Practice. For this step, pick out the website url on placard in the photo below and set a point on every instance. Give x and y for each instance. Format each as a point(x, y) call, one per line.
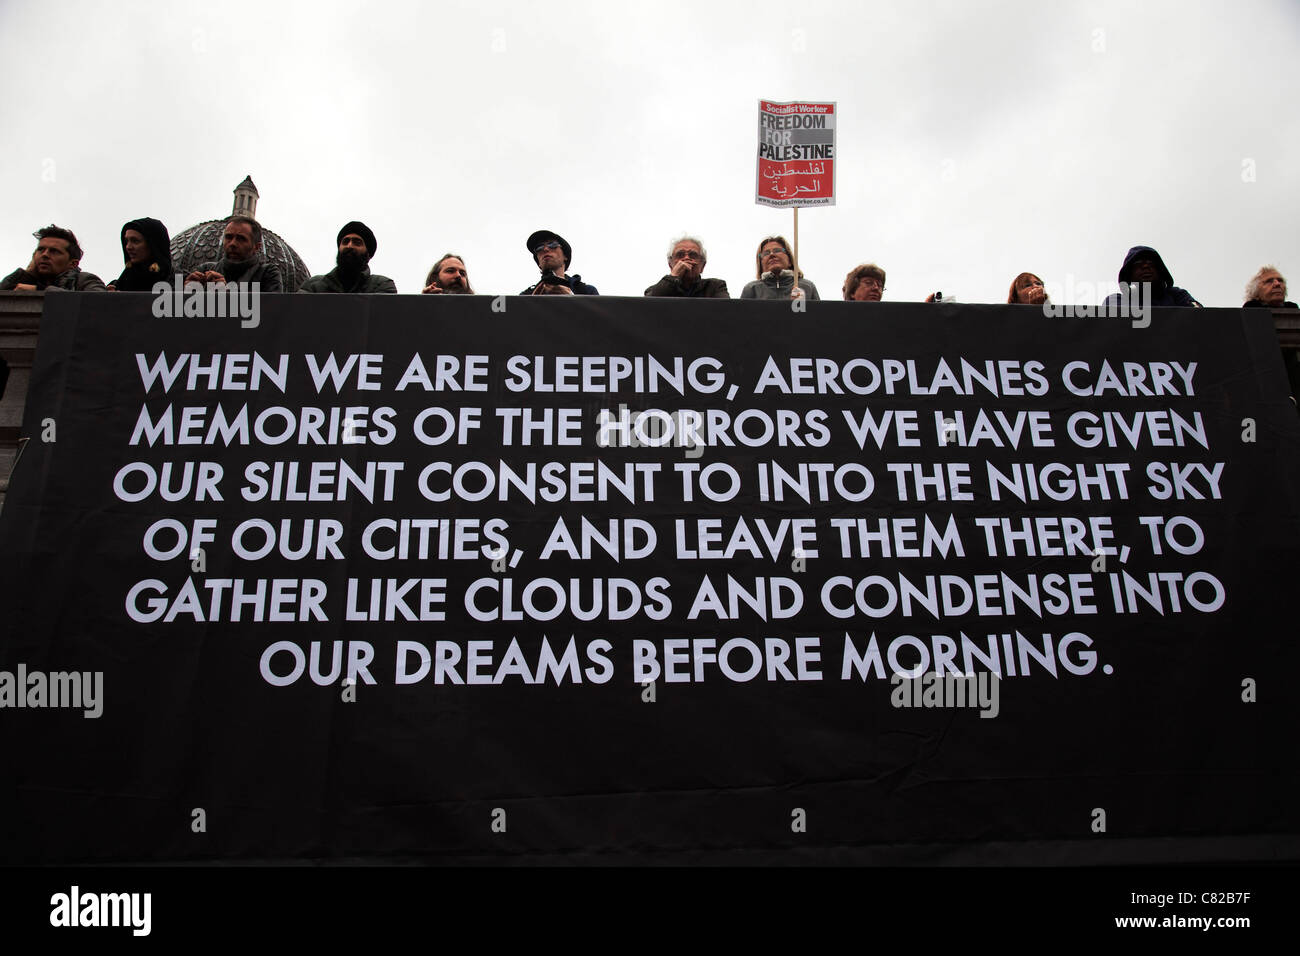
point(1203, 923)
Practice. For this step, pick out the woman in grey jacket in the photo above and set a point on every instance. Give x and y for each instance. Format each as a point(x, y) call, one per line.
point(775, 274)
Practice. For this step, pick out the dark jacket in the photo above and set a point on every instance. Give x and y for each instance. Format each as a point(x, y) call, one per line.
point(1163, 290)
point(73, 280)
point(257, 269)
point(670, 285)
point(142, 278)
point(1290, 357)
point(573, 282)
point(778, 287)
point(332, 281)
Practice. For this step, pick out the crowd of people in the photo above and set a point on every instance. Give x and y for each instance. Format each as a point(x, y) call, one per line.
point(146, 256)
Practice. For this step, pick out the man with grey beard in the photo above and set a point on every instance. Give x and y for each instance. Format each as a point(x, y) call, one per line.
point(242, 260)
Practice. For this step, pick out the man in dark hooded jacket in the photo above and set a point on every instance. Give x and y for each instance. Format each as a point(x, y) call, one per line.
point(351, 273)
point(242, 260)
point(1144, 265)
point(146, 250)
point(55, 265)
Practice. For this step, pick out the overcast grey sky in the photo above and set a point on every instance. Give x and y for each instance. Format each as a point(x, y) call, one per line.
point(976, 139)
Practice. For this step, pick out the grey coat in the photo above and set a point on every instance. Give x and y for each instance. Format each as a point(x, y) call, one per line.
point(261, 271)
point(333, 282)
point(772, 287)
point(73, 280)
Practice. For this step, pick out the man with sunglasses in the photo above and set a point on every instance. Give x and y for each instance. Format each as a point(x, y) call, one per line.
point(686, 261)
point(553, 255)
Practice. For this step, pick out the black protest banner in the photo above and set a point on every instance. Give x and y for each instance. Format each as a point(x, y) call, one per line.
point(502, 579)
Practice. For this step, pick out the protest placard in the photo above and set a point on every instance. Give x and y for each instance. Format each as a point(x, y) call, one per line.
point(796, 154)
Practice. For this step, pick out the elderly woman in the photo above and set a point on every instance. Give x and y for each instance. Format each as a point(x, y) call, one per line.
point(146, 249)
point(775, 274)
point(1027, 289)
point(865, 283)
point(1267, 289)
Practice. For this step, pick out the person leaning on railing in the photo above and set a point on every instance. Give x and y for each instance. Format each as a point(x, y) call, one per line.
point(686, 262)
point(1144, 268)
point(776, 274)
point(351, 273)
point(55, 265)
point(1027, 289)
point(866, 283)
point(552, 254)
point(146, 251)
point(1267, 289)
point(448, 277)
point(241, 259)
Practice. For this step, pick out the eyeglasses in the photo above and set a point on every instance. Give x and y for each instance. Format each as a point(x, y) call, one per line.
point(544, 246)
point(769, 253)
point(687, 254)
point(871, 283)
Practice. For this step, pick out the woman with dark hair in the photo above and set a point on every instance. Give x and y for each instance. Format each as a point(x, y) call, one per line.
point(146, 249)
point(775, 274)
point(1027, 289)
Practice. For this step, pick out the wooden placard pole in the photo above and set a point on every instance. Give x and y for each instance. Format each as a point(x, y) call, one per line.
point(795, 257)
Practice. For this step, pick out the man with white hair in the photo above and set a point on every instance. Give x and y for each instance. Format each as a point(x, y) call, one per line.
point(1267, 290)
point(686, 261)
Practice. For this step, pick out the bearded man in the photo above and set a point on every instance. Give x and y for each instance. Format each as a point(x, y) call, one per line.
point(351, 272)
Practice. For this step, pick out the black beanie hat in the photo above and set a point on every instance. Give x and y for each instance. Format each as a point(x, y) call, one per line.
point(355, 228)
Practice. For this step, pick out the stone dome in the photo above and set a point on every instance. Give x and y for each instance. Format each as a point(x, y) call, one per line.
point(202, 243)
